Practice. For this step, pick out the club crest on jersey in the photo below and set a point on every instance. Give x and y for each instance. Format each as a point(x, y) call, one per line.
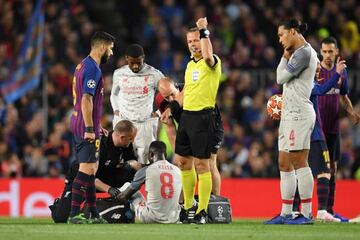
point(293, 61)
point(195, 75)
point(91, 83)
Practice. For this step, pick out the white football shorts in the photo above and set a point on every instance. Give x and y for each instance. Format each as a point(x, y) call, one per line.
point(295, 134)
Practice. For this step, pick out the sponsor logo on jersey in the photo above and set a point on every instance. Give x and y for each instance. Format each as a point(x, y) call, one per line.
point(333, 91)
point(132, 90)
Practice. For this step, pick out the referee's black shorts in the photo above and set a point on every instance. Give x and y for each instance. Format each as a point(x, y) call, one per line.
point(196, 133)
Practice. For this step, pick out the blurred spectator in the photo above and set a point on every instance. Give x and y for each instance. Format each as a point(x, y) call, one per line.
point(11, 166)
point(36, 165)
point(350, 39)
point(57, 151)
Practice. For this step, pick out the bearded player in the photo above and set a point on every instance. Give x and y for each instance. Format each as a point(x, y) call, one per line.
point(296, 72)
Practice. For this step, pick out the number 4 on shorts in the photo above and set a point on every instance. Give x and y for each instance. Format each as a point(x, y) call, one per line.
point(292, 137)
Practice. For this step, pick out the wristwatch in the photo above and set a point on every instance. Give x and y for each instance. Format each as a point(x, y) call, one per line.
point(204, 33)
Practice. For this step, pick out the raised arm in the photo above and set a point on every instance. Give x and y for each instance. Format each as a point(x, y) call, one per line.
point(321, 89)
point(206, 46)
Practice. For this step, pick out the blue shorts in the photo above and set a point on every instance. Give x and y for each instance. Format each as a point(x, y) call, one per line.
point(86, 152)
point(319, 159)
point(333, 143)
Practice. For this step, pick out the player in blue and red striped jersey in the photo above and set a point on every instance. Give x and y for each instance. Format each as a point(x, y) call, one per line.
point(85, 125)
point(329, 109)
point(319, 159)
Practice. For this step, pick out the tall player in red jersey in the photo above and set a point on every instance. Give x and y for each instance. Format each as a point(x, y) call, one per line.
point(329, 110)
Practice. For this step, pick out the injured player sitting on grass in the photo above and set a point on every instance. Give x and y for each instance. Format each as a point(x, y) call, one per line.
point(162, 184)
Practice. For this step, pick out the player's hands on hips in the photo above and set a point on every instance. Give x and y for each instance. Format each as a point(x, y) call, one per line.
point(340, 65)
point(90, 137)
point(113, 192)
point(202, 23)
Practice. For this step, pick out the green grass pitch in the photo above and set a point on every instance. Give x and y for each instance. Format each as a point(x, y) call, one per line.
point(44, 229)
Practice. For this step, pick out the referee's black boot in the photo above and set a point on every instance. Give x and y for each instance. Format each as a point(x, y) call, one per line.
point(190, 214)
point(201, 217)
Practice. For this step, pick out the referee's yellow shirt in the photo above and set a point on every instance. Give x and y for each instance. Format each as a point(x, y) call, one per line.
point(201, 85)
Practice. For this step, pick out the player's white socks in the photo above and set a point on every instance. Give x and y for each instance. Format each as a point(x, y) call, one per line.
point(306, 186)
point(288, 189)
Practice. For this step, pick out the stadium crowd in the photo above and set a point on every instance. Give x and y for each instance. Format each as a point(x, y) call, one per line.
point(243, 34)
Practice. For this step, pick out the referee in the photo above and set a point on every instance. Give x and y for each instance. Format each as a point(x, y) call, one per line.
point(197, 124)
